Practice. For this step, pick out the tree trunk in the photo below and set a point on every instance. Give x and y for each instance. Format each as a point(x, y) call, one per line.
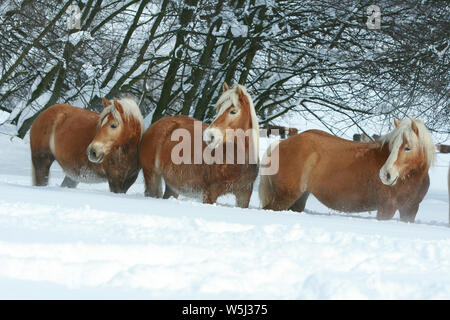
point(186, 17)
point(35, 42)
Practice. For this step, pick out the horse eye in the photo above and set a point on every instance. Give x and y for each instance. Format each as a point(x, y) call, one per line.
point(407, 148)
point(232, 111)
point(113, 125)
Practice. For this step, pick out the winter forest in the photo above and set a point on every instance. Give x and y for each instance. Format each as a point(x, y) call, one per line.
point(309, 58)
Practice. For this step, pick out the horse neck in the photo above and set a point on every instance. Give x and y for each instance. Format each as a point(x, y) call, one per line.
point(383, 151)
point(375, 152)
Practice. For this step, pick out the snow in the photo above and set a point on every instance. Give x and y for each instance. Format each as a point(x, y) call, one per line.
point(88, 243)
point(3, 116)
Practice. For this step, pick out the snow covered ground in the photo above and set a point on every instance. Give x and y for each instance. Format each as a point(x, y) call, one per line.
point(87, 243)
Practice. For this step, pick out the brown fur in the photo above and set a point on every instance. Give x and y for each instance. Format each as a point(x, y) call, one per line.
point(292, 132)
point(283, 132)
point(343, 175)
point(73, 129)
point(443, 148)
point(364, 138)
point(208, 181)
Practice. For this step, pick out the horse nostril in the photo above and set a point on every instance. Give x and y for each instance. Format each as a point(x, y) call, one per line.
point(388, 176)
point(92, 154)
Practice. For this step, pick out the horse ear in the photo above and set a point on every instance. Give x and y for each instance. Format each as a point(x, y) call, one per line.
point(414, 127)
point(118, 106)
point(239, 91)
point(225, 87)
point(396, 122)
point(105, 103)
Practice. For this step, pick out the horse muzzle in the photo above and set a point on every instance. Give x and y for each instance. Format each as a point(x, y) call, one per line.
point(388, 178)
point(94, 155)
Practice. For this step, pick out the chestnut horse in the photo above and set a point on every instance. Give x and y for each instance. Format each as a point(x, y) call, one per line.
point(349, 176)
point(443, 148)
point(204, 173)
point(90, 147)
point(283, 132)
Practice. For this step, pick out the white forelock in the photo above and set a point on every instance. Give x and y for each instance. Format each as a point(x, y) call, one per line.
point(130, 109)
point(404, 129)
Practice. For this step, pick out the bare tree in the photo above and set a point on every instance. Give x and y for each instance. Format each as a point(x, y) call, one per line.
point(316, 59)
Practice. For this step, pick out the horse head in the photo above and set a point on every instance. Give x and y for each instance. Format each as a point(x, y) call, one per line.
point(120, 123)
point(235, 116)
point(411, 149)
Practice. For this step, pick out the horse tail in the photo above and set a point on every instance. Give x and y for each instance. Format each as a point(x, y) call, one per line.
point(266, 192)
point(42, 144)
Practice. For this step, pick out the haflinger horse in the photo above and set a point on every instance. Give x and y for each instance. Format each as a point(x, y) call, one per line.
point(443, 148)
point(281, 131)
point(386, 175)
point(90, 147)
point(214, 160)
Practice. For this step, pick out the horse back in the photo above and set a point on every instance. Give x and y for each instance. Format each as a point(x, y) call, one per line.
point(193, 177)
point(331, 168)
point(335, 138)
point(63, 130)
point(159, 134)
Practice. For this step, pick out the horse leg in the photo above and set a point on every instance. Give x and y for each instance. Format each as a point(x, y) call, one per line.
point(169, 192)
point(409, 211)
point(274, 195)
point(69, 183)
point(129, 180)
point(115, 185)
point(300, 203)
point(210, 196)
point(386, 212)
point(283, 199)
point(280, 203)
point(243, 197)
point(153, 183)
point(41, 168)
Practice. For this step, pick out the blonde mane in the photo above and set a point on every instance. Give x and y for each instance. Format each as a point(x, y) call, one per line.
point(130, 109)
point(404, 129)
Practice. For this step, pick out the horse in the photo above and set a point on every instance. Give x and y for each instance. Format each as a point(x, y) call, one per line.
point(349, 176)
point(443, 148)
point(90, 147)
point(365, 138)
point(283, 132)
point(203, 174)
point(292, 132)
